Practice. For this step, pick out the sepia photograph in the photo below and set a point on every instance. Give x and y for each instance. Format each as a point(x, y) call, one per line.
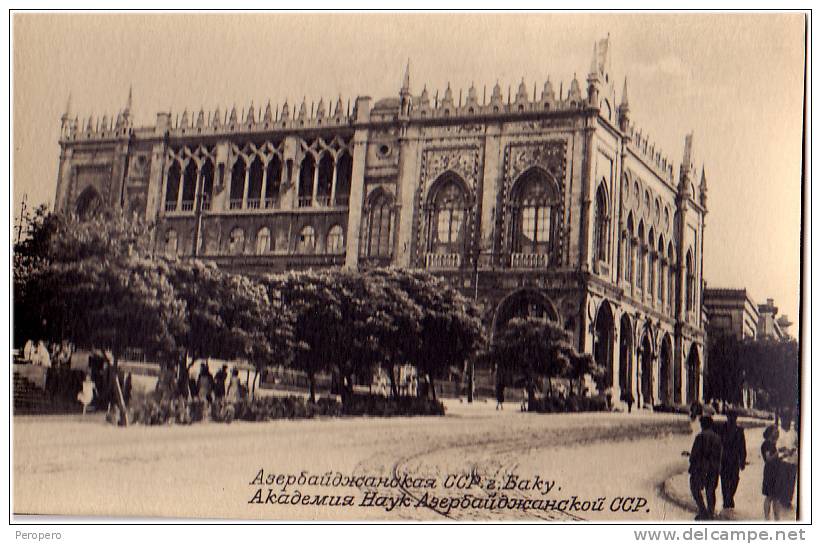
point(409, 267)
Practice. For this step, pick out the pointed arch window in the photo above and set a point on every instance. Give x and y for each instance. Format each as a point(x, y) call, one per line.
point(344, 169)
point(255, 175)
point(273, 175)
point(671, 278)
point(324, 179)
point(236, 241)
point(336, 240)
point(207, 184)
point(447, 214)
point(601, 227)
point(263, 241)
point(172, 186)
point(306, 243)
point(189, 186)
point(535, 217)
point(237, 184)
point(640, 242)
point(651, 264)
point(662, 272)
point(689, 278)
point(378, 241)
point(306, 181)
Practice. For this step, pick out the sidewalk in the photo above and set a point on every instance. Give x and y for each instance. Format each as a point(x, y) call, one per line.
point(748, 498)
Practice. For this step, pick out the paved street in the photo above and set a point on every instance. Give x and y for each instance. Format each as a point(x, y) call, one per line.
point(70, 465)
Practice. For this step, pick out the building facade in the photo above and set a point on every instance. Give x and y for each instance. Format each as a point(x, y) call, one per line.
point(542, 203)
point(730, 312)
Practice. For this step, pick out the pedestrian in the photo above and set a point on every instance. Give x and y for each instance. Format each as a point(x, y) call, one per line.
point(705, 464)
point(127, 389)
point(628, 398)
point(87, 394)
point(733, 458)
point(500, 395)
point(523, 406)
point(787, 445)
point(772, 468)
point(219, 382)
point(41, 356)
point(205, 383)
point(232, 394)
point(28, 351)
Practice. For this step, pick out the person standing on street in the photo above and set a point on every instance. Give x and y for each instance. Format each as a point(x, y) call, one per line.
point(219, 382)
point(705, 464)
point(772, 467)
point(733, 458)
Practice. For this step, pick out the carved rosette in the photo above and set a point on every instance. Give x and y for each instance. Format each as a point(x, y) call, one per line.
point(465, 162)
point(551, 156)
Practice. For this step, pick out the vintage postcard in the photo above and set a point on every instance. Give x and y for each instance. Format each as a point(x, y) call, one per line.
point(408, 266)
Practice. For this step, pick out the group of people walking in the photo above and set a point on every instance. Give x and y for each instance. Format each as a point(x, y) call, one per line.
point(719, 453)
point(176, 382)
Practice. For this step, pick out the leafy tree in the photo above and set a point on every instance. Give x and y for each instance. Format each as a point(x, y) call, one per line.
point(773, 366)
point(581, 364)
point(726, 374)
point(450, 328)
point(533, 348)
point(314, 302)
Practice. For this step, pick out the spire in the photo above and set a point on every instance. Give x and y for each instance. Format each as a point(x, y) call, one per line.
point(406, 80)
point(594, 63)
point(267, 117)
point(686, 161)
point(702, 188)
point(338, 109)
point(575, 90)
point(625, 104)
point(548, 95)
point(215, 120)
point(250, 116)
point(128, 102)
point(424, 98)
point(320, 109)
point(496, 95)
point(303, 109)
point(67, 111)
point(447, 101)
point(232, 117)
point(286, 112)
point(472, 98)
point(201, 118)
point(521, 94)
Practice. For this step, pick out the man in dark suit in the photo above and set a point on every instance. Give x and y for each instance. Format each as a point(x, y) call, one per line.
point(733, 458)
point(705, 464)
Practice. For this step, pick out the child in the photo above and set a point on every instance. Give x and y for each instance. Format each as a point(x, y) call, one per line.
point(769, 486)
point(87, 394)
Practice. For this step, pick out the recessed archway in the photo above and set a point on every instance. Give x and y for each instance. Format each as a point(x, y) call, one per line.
point(693, 374)
point(665, 370)
point(646, 358)
point(524, 303)
point(626, 357)
point(603, 340)
point(89, 204)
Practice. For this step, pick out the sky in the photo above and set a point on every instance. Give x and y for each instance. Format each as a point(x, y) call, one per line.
point(734, 80)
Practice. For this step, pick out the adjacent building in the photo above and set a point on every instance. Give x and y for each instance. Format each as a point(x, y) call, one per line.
point(542, 201)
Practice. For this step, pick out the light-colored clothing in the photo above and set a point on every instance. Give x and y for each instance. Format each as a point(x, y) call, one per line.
point(41, 356)
point(233, 394)
point(28, 351)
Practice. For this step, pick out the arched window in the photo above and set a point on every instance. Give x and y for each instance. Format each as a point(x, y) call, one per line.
point(237, 184)
point(641, 242)
point(171, 243)
point(378, 241)
point(207, 183)
point(255, 171)
point(447, 217)
point(630, 256)
point(535, 213)
point(601, 227)
point(89, 204)
point(307, 240)
point(273, 176)
point(172, 186)
point(344, 169)
point(306, 181)
point(236, 241)
point(671, 278)
point(662, 272)
point(263, 241)
point(651, 263)
point(324, 179)
point(189, 186)
point(336, 240)
point(690, 279)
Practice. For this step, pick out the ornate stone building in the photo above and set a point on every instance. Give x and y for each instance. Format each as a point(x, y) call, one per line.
point(548, 202)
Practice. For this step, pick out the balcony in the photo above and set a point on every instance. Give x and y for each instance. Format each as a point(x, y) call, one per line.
point(252, 203)
point(305, 202)
point(170, 206)
point(443, 261)
point(270, 203)
point(206, 204)
point(323, 201)
point(528, 260)
point(235, 204)
point(187, 206)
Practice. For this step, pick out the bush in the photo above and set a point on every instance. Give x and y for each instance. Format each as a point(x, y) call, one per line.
point(380, 406)
point(573, 403)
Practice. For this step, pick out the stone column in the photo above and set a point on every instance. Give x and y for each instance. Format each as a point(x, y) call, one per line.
point(356, 204)
point(409, 164)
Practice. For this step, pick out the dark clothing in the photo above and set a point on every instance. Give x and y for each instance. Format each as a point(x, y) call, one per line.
point(705, 457)
point(705, 464)
point(708, 484)
point(219, 383)
point(769, 486)
point(733, 459)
